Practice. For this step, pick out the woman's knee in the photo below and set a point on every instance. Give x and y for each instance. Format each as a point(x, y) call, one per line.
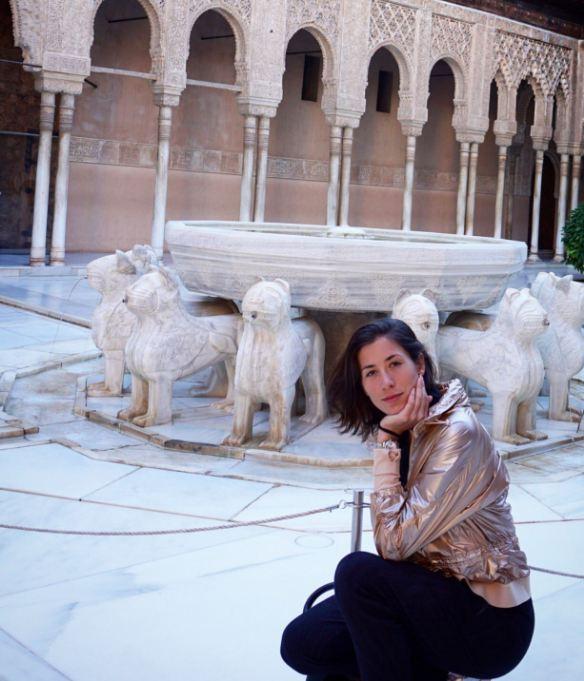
point(292, 645)
point(355, 569)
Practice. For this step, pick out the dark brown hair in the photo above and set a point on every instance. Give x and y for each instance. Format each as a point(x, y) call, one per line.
point(356, 413)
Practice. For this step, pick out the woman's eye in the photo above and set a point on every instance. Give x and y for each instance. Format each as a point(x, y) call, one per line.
point(370, 373)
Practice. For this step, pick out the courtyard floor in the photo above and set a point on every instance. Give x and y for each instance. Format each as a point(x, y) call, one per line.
point(208, 605)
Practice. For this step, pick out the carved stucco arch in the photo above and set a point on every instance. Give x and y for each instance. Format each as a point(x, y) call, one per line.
point(235, 22)
point(153, 10)
point(328, 80)
point(457, 70)
point(405, 77)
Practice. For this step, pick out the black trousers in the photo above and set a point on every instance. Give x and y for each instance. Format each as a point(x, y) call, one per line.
point(397, 621)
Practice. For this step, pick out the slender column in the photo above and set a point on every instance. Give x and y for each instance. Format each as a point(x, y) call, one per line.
point(346, 175)
point(562, 202)
point(575, 181)
point(462, 186)
point(409, 183)
point(66, 110)
point(500, 192)
point(161, 186)
point(334, 167)
point(472, 189)
point(250, 133)
point(262, 169)
point(535, 205)
point(42, 182)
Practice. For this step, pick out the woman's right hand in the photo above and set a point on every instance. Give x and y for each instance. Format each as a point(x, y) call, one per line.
point(414, 411)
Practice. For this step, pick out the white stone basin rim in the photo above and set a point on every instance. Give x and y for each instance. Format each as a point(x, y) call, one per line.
point(356, 273)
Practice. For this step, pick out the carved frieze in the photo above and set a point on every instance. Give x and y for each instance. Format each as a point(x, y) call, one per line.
point(241, 8)
point(518, 57)
point(324, 15)
point(451, 38)
point(394, 24)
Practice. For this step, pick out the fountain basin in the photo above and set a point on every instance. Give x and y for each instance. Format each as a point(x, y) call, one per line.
point(354, 270)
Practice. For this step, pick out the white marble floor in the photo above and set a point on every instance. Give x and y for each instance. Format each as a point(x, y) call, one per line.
point(210, 605)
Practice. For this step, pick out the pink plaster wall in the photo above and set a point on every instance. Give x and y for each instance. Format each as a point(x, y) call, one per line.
point(115, 202)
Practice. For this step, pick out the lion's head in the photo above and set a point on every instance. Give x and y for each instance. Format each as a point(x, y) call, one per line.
point(156, 291)
point(561, 296)
point(113, 273)
point(522, 313)
point(267, 304)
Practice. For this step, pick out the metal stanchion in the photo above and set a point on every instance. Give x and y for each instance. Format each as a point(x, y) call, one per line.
point(357, 521)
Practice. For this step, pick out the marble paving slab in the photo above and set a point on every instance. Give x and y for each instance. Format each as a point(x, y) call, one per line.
point(32, 561)
point(181, 493)
point(54, 469)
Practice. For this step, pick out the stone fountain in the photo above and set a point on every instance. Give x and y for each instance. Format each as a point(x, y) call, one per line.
point(295, 284)
point(343, 269)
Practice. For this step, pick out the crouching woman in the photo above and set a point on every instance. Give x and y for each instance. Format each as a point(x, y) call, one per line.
point(449, 590)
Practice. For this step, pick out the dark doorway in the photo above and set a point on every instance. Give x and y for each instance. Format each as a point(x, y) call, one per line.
point(19, 123)
point(547, 210)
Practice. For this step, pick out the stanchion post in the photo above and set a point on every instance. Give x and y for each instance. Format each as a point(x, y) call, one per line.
point(357, 523)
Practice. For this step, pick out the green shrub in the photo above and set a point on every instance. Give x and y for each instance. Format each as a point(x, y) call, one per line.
point(574, 238)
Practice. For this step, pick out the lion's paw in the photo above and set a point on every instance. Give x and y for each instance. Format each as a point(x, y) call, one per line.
point(535, 435)
point(233, 440)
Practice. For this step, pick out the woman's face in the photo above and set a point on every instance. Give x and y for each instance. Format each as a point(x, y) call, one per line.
point(388, 374)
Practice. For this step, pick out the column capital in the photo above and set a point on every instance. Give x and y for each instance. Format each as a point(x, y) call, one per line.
point(411, 128)
point(71, 84)
point(504, 131)
point(343, 119)
point(165, 95)
point(540, 143)
point(255, 106)
point(469, 136)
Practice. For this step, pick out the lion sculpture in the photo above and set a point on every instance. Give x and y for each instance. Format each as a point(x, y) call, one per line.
point(502, 356)
point(419, 312)
point(562, 345)
point(168, 343)
point(112, 322)
point(274, 352)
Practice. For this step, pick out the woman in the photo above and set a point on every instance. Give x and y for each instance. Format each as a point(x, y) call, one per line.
point(449, 591)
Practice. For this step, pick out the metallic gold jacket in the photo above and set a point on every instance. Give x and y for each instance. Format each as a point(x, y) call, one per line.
point(453, 517)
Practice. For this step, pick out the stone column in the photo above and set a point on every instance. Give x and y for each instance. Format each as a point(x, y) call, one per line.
point(535, 205)
point(346, 175)
point(462, 187)
point(161, 185)
point(250, 134)
point(472, 189)
point(66, 111)
point(409, 183)
point(42, 181)
point(262, 169)
point(562, 203)
point(334, 173)
point(575, 190)
point(500, 191)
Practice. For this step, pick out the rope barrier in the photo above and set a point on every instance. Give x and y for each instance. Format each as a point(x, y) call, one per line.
point(185, 530)
point(357, 506)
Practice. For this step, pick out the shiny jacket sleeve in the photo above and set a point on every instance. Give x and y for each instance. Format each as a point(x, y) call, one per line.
point(454, 475)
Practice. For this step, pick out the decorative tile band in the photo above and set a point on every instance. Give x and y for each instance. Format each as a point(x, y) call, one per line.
point(138, 155)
